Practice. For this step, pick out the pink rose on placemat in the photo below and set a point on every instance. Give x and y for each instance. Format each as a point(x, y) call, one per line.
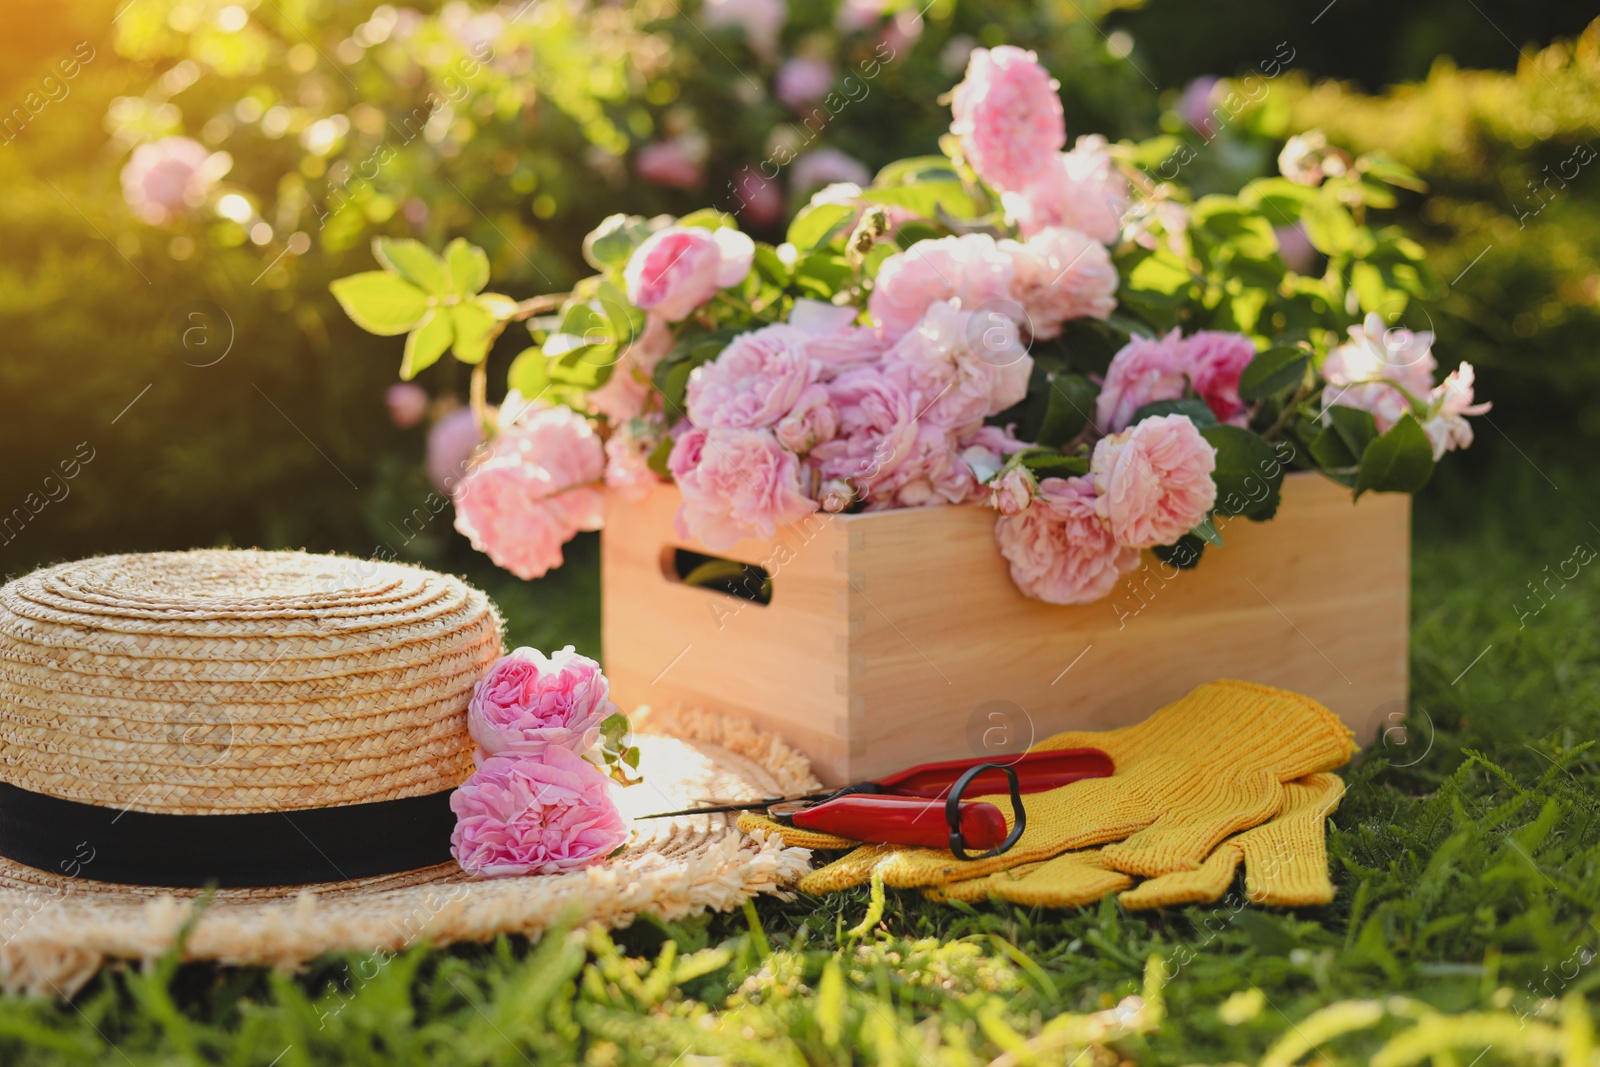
point(1216, 360)
point(1081, 189)
point(1154, 480)
point(530, 702)
point(534, 491)
point(1062, 274)
point(680, 268)
point(741, 483)
point(971, 268)
point(754, 382)
point(1144, 370)
point(534, 816)
point(1061, 550)
point(1007, 116)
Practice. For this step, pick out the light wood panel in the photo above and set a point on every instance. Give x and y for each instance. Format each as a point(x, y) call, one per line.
point(898, 637)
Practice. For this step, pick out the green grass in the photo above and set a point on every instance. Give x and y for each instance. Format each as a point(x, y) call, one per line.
point(1467, 854)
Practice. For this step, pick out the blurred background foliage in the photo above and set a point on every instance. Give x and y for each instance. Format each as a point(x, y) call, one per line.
point(519, 126)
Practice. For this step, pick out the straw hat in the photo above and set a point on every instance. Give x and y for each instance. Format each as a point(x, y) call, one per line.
point(289, 727)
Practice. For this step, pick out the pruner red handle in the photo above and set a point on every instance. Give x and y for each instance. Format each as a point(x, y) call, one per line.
point(897, 820)
point(1037, 772)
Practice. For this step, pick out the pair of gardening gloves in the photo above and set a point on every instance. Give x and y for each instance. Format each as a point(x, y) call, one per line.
point(1232, 773)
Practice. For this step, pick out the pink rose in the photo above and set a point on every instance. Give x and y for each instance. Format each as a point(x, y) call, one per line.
point(1154, 480)
point(528, 703)
point(742, 484)
point(534, 816)
point(803, 80)
point(1446, 425)
point(1380, 371)
point(165, 178)
point(673, 164)
point(1216, 359)
point(1081, 190)
point(1061, 274)
point(680, 268)
point(1143, 371)
point(1013, 491)
point(534, 491)
point(753, 382)
point(1295, 246)
point(965, 365)
point(1007, 116)
point(877, 433)
point(628, 472)
point(811, 421)
point(761, 21)
point(1195, 105)
point(934, 473)
point(622, 397)
point(451, 444)
point(832, 338)
point(826, 166)
point(971, 268)
point(408, 403)
point(1060, 548)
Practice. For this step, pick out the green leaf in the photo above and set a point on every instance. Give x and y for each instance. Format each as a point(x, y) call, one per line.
point(915, 169)
point(1273, 371)
point(1160, 275)
point(1248, 472)
point(657, 460)
point(468, 265)
point(818, 224)
point(527, 373)
point(1048, 464)
point(380, 303)
point(426, 343)
point(927, 198)
point(1206, 531)
point(1280, 199)
point(1329, 450)
point(1400, 461)
point(1069, 407)
point(822, 274)
point(708, 218)
point(1184, 553)
point(1193, 407)
point(1354, 426)
point(1329, 226)
point(474, 330)
point(413, 261)
point(608, 245)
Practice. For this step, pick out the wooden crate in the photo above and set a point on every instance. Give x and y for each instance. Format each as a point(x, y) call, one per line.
point(897, 637)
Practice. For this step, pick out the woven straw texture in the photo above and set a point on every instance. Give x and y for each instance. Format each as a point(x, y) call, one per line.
point(238, 681)
point(56, 932)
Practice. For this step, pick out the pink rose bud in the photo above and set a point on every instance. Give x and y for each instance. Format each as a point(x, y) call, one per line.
point(534, 816)
point(408, 402)
point(528, 703)
point(1013, 492)
point(679, 269)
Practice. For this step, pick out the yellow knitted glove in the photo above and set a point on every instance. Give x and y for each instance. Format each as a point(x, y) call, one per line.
point(1204, 767)
point(1286, 866)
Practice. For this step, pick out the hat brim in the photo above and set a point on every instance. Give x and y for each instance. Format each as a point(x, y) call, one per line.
point(57, 931)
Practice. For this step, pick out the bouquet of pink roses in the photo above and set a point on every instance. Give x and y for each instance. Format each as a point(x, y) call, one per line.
point(1110, 363)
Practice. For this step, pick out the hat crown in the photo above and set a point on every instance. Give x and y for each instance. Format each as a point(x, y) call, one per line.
point(237, 681)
